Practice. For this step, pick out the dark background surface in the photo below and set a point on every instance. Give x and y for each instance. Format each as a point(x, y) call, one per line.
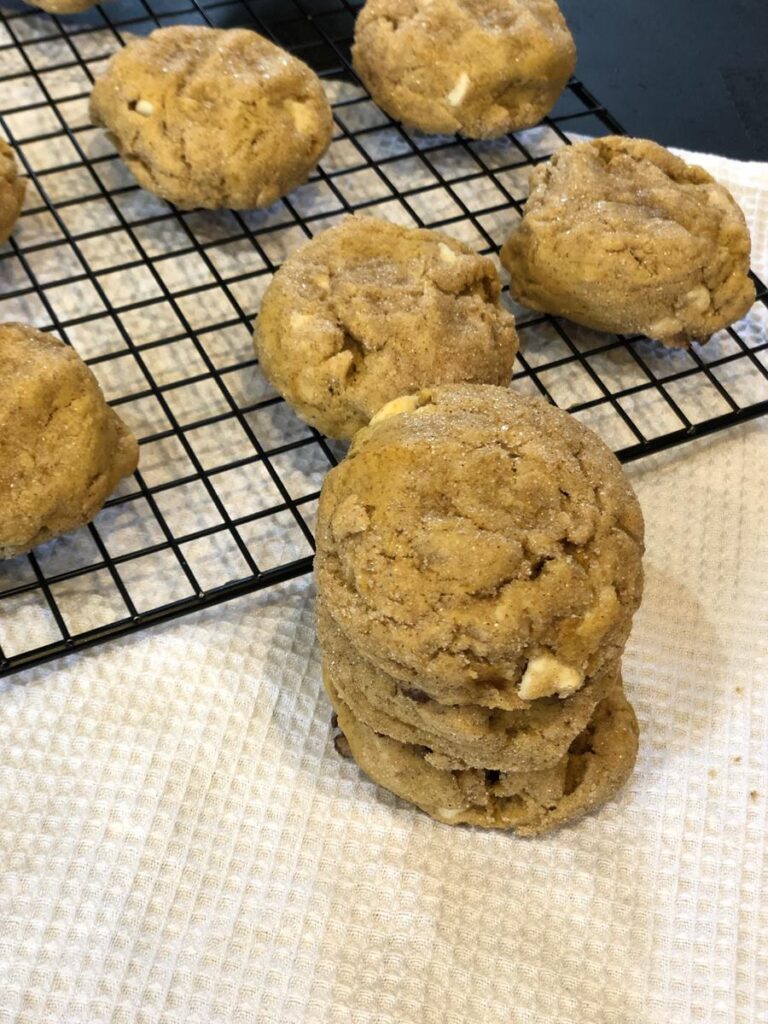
point(689, 73)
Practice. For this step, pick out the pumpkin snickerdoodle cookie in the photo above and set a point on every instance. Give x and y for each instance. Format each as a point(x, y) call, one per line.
point(62, 448)
point(620, 235)
point(215, 118)
point(596, 765)
point(12, 189)
point(477, 67)
point(369, 310)
point(481, 546)
point(534, 736)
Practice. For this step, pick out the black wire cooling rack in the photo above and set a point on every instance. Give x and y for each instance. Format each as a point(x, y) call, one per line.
point(160, 304)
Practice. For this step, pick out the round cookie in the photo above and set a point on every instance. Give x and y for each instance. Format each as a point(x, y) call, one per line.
point(478, 67)
point(12, 189)
point(483, 546)
point(213, 118)
point(62, 449)
point(536, 736)
point(620, 235)
point(370, 310)
point(598, 763)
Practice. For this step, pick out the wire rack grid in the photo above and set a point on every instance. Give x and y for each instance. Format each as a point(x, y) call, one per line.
point(160, 304)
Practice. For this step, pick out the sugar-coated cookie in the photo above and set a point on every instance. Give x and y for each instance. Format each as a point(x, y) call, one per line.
point(535, 736)
point(621, 235)
point(62, 448)
point(597, 764)
point(370, 310)
point(12, 189)
point(481, 546)
point(478, 67)
point(216, 118)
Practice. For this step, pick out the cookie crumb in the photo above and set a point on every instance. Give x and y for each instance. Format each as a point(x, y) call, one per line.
point(754, 795)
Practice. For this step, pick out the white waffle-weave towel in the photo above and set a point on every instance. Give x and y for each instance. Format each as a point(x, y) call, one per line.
point(179, 842)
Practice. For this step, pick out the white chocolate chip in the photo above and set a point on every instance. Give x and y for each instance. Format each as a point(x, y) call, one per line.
point(446, 253)
point(697, 299)
point(303, 117)
point(545, 676)
point(145, 108)
point(448, 813)
point(668, 327)
point(407, 403)
point(717, 197)
point(459, 91)
point(300, 320)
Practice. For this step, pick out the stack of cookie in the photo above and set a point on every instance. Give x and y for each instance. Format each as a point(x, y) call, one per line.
point(478, 565)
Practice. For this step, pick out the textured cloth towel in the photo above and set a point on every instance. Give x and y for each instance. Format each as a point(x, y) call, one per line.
point(180, 843)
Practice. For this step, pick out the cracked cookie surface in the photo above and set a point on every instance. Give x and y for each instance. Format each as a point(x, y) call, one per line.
point(534, 736)
point(483, 547)
point(597, 764)
point(12, 189)
point(370, 310)
point(477, 67)
point(62, 449)
point(213, 118)
point(620, 235)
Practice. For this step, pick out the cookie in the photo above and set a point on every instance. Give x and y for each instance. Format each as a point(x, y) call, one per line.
point(535, 736)
point(12, 189)
point(598, 763)
point(213, 118)
point(63, 6)
point(483, 547)
point(620, 235)
point(369, 310)
point(476, 67)
point(62, 449)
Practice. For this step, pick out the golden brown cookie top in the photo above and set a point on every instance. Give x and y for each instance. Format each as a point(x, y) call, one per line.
point(370, 310)
point(484, 538)
point(622, 235)
point(213, 117)
point(62, 449)
point(479, 67)
point(12, 189)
